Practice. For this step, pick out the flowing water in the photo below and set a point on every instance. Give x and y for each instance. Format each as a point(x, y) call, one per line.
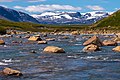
point(72, 65)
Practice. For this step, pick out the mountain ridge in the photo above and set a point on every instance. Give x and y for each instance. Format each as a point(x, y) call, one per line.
point(17, 16)
point(52, 17)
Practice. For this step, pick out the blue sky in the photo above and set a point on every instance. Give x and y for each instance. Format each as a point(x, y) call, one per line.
point(38, 6)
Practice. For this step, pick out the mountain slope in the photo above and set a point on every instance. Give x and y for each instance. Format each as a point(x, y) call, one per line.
point(18, 25)
point(113, 21)
point(17, 16)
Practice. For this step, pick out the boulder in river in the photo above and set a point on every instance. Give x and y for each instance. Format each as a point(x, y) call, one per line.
point(91, 48)
point(54, 49)
point(33, 38)
point(117, 49)
point(42, 42)
point(109, 43)
point(93, 40)
point(2, 42)
point(65, 37)
point(9, 71)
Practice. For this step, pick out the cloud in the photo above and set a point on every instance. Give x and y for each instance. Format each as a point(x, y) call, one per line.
point(42, 8)
point(36, 0)
point(6, 0)
point(96, 7)
point(18, 7)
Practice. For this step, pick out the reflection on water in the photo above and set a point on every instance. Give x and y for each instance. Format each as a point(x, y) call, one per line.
point(73, 65)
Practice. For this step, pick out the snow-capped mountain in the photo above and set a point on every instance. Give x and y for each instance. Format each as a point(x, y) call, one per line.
point(70, 17)
point(17, 16)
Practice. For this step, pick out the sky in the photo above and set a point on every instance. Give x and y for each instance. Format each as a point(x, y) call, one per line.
point(39, 6)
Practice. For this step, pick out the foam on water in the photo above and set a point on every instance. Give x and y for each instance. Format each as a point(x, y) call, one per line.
point(1, 63)
point(10, 60)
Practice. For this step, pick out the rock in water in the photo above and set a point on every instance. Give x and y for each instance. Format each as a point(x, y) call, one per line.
point(65, 37)
point(42, 42)
point(33, 38)
point(9, 71)
point(50, 39)
point(2, 42)
point(91, 48)
point(75, 33)
point(109, 43)
point(54, 49)
point(117, 49)
point(93, 40)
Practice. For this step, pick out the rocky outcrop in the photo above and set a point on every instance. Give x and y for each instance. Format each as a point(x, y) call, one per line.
point(33, 38)
point(54, 49)
point(93, 40)
point(9, 71)
point(2, 42)
point(91, 48)
point(117, 49)
point(42, 42)
point(109, 43)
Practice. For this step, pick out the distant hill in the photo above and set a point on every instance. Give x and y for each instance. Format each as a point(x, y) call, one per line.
point(17, 16)
point(26, 26)
point(111, 22)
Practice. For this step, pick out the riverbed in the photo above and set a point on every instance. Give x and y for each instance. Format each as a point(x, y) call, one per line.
point(74, 64)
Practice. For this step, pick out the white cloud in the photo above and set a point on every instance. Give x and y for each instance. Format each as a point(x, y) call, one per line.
point(96, 7)
point(36, 0)
point(18, 7)
point(42, 8)
point(6, 0)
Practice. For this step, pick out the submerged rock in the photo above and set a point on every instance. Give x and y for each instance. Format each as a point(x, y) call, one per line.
point(91, 48)
point(9, 71)
point(33, 51)
point(50, 39)
point(117, 49)
point(65, 37)
point(54, 49)
point(109, 43)
point(93, 40)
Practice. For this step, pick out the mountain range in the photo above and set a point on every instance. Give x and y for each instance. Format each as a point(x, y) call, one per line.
point(70, 17)
point(53, 17)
